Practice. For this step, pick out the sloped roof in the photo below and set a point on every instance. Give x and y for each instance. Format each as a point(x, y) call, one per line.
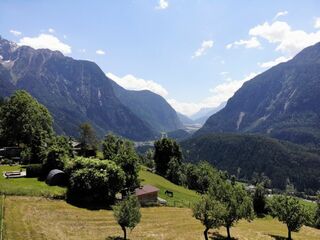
point(146, 189)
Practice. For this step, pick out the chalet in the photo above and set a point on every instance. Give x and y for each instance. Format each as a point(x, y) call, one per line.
point(147, 194)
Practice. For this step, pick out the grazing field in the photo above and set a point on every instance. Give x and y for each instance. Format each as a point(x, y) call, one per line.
point(1, 214)
point(39, 218)
point(27, 186)
point(182, 197)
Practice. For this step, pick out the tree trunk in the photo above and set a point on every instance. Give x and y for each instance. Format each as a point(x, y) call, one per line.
point(289, 234)
point(124, 233)
point(228, 232)
point(205, 233)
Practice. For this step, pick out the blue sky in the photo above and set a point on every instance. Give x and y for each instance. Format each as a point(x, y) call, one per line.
point(194, 53)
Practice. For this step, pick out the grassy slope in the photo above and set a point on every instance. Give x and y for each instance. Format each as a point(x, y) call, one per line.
point(38, 218)
point(1, 216)
point(181, 195)
point(26, 186)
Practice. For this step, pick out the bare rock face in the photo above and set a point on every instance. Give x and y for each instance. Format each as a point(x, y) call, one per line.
point(74, 91)
point(282, 102)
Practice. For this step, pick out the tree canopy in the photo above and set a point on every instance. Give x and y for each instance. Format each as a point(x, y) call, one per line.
point(235, 199)
point(122, 152)
point(88, 140)
point(289, 211)
point(210, 212)
point(165, 150)
point(27, 123)
point(127, 213)
point(94, 180)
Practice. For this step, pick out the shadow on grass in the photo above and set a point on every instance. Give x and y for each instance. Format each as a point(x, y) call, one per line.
point(218, 236)
point(90, 205)
point(276, 237)
point(115, 238)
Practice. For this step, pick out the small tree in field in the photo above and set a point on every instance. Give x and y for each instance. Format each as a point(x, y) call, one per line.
point(237, 202)
point(210, 212)
point(127, 213)
point(259, 200)
point(289, 211)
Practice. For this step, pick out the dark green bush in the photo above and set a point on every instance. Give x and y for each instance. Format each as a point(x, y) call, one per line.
point(34, 170)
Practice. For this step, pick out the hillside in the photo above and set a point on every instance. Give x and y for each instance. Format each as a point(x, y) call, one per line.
point(74, 91)
point(244, 154)
point(282, 102)
point(150, 107)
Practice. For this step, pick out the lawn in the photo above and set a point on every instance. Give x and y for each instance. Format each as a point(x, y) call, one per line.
point(1, 216)
point(182, 197)
point(40, 218)
point(27, 186)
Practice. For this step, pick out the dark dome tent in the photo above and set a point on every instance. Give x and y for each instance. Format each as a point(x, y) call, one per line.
point(56, 177)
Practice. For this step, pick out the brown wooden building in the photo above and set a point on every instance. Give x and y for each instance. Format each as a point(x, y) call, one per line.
point(147, 194)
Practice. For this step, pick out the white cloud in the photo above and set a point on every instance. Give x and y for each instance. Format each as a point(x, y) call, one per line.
point(131, 82)
point(288, 41)
point(250, 43)
point(203, 49)
point(317, 23)
point(82, 50)
point(45, 41)
point(51, 30)
point(100, 52)
point(280, 14)
point(163, 4)
point(272, 63)
point(224, 73)
point(15, 33)
point(220, 93)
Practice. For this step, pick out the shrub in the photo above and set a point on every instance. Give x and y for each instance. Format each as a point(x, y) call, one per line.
point(34, 170)
point(94, 181)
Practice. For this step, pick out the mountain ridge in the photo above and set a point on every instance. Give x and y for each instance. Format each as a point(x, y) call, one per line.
point(74, 91)
point(281, 102)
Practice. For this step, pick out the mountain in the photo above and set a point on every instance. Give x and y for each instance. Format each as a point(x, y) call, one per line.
point(150, 107)
point(201, 116)
point(282, 102)
point(244, 155)
point(74, 91)
point(185, 119)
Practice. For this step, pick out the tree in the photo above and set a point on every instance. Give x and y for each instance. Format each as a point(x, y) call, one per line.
point(236, 201)
point(165, 150)
point(88, 140)
point(110, 146)
point(94, 180)
point(25, 122)
point(210, 212)
point(174, 171)
point(59, 149)
point(259, 200)
point(289, 211)
point(122, 152)
point(127, 213)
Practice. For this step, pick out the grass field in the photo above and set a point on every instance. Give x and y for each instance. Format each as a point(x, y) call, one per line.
point(26, 186)
point(39, 218)
point(1, 216)
point(182, 197)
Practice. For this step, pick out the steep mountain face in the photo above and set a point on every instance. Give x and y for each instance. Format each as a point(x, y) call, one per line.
point(202, 116)
point(243, 155)
point(282, 102)
point(185, 119)
point(150, 107)
point(74, 91)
